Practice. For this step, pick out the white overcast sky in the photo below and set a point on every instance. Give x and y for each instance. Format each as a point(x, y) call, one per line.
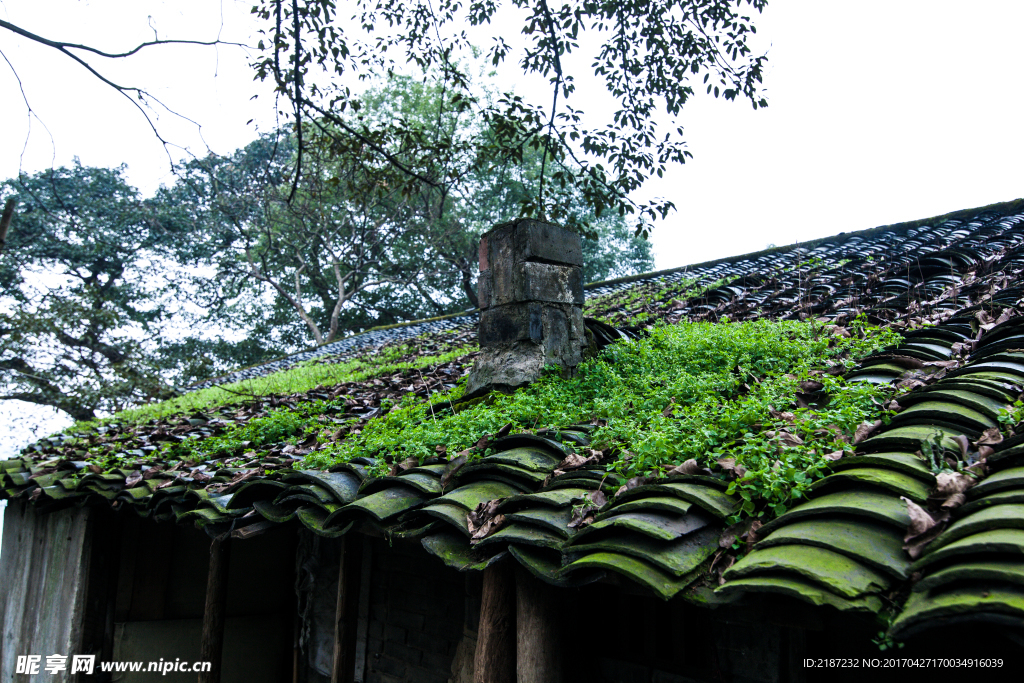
point(879, 112)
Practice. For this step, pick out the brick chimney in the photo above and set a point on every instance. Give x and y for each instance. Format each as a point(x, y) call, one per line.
point(531, 304)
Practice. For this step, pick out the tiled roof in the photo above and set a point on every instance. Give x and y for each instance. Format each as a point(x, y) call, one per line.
point(862, 542)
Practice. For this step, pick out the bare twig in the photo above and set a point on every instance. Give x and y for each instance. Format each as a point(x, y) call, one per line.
point(137, 96)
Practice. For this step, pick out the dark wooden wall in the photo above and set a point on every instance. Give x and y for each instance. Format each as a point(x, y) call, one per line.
point(44, 570)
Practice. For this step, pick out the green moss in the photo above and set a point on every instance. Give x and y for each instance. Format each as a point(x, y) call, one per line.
point(303, 377)
point(623, 306)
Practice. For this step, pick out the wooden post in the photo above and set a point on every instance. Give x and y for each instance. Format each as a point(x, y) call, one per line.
point(212, 644)
point(495, 658)
point(363, 613)
point(340, 665)
point(538, 650)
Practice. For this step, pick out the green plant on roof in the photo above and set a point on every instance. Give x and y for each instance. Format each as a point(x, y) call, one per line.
point(302, 377)
point(885, 642)
point(275, 427)
point(934, 453)
point(1010, 416)
point(692, 390)
point(685, 289)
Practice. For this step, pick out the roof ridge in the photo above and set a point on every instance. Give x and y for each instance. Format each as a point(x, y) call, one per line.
point(1002, 208)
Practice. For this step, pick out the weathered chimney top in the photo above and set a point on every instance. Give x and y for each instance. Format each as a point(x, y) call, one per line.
point(531, 304)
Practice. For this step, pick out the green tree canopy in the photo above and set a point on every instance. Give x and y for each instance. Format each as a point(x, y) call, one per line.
point(100, 307)
point(353, 243)
point(84, 292)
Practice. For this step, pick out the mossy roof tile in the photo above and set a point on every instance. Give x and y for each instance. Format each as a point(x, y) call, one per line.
point(1007, 457)
point(980, 572)
point(454, 515)
point(910, 437)
point(795, 587)
point(274, 513)
point(1007, 516)
point(897, 482)
point(711, 499)
point(1008, 496)
point(343, 485)
point(862, 503)
point(975, 603)
point(454, 550)
point(526, 457)
point(500, 471)
point(678, 557)
point(653, 524)
point(652, 503)
point(469, 496)
point(553, 520)
point(523, 534)
point(932, 411)
point(908, 463)
point(876, 545)
point(548, 567)
point(1000, 541)
point(382, 506)
point(553, 498)
point(986, 405)
point(836, 572)
point(314, 517)
point(306, 492)
point(1011, 478)
point(426, 482)
point(646, 574)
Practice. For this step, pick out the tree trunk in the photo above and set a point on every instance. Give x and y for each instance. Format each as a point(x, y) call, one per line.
point(5, 221)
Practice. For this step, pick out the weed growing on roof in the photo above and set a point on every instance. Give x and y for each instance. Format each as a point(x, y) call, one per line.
point(285, 424)
point(1010, 416)
point(692, 390)
point(642, 294)
point(275, 427)
point(300, 378)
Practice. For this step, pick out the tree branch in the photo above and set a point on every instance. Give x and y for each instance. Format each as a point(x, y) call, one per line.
point(63, 47)
point(142, 95)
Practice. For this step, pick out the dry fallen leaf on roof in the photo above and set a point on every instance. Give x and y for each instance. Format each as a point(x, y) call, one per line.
point(949, 483)
point(920, 520)
point(990, 436)
point(731, 468)
point(688, 467)
point(864, 430)
point(484, 520)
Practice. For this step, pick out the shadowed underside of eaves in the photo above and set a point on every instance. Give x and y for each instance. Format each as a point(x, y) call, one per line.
point(951, 285)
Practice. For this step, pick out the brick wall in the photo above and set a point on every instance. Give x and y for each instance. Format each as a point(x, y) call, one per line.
point(417, 608)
